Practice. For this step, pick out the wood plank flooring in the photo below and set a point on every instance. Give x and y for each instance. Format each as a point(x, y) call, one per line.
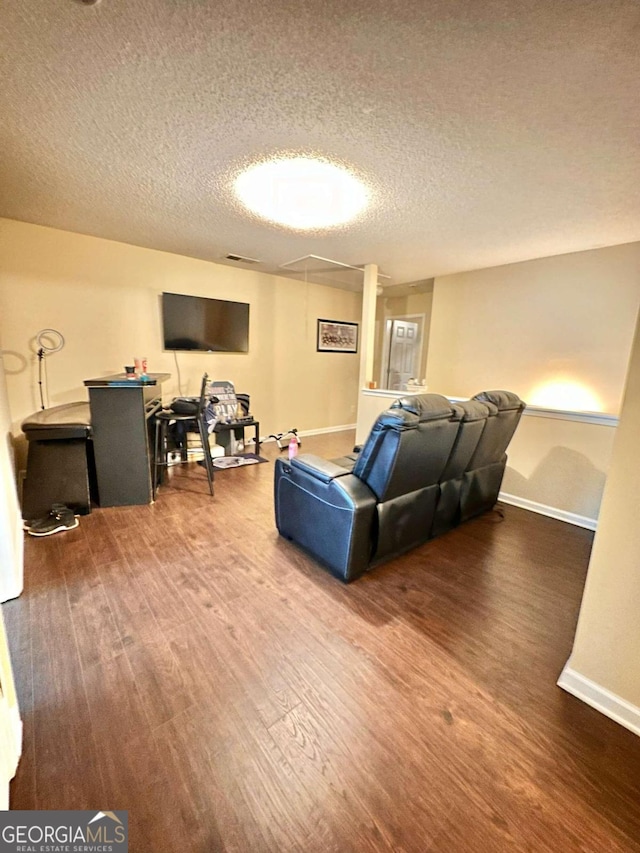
point(183, 662)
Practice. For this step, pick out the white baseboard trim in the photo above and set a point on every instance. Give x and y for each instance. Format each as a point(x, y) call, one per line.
point(324, 430)
point(303, 432)
point(550, 511)
point(598, 697)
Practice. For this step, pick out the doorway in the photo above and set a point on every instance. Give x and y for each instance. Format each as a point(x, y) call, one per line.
point(402, 351)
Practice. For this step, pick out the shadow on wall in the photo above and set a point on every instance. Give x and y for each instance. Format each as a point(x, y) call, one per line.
point(565, 480)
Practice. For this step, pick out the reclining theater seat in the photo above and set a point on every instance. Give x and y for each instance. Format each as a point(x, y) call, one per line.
point(403, 469)
point(426, 466)
point(473, 419)
point(483, 477)
point(351, 521)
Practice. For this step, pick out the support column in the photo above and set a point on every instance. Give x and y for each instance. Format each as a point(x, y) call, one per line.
point(368, 324)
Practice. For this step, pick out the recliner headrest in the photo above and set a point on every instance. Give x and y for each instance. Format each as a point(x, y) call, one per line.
point(427, 407)
point(396, 419)
point(391, 422)
point(474, 410)
point(504, 400)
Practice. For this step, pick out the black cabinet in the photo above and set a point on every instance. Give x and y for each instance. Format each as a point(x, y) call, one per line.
point(122, 413)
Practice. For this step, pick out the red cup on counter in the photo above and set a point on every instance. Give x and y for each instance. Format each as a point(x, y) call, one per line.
point(141, 366)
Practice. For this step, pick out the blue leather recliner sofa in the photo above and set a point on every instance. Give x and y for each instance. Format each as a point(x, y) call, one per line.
point(426, 466)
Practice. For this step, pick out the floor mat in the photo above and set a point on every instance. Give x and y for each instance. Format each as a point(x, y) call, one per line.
point(237, 461)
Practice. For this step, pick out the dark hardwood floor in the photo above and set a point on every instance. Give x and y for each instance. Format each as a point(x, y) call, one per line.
point(183, 662)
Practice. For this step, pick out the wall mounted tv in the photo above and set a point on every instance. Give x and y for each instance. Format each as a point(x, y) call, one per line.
point(207, 325)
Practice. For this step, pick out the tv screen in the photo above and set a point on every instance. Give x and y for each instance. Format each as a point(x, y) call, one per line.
point(208, 325)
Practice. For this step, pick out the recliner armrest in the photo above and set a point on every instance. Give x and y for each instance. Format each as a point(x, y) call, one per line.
point(321, 469)
point(326, 510)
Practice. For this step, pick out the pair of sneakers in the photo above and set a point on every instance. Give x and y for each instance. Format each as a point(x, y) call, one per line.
point(60, 518)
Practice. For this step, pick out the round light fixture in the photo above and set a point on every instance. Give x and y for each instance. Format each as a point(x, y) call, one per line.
point(302, 193)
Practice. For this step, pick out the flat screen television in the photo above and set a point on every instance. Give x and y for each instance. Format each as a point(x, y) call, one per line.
point(207, 325)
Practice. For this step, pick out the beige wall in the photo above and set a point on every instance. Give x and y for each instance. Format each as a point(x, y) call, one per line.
point(11, 535)
point(518, 326)
point(11, 577)
point(560, 464)
point(607, 642)
point(104, 298)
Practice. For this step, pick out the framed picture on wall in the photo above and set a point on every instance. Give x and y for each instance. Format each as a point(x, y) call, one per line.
point(335, 336)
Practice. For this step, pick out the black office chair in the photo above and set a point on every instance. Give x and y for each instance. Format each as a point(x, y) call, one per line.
point(164, 419)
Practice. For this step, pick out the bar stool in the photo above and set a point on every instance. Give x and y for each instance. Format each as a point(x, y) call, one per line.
point(163, 419)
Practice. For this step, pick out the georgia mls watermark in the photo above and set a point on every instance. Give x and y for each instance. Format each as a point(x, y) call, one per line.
point(64, 832)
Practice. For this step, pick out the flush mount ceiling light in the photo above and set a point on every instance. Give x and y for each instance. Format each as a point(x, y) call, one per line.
point(302, 193)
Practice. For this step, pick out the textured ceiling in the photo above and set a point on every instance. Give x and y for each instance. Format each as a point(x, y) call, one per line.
point(490, 131)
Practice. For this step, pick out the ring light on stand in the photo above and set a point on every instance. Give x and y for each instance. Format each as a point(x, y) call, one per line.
point(48, 341)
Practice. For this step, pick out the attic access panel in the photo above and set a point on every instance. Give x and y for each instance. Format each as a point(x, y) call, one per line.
point(317, 270)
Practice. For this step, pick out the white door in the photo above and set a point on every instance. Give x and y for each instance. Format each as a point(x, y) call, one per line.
point(404, 354)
